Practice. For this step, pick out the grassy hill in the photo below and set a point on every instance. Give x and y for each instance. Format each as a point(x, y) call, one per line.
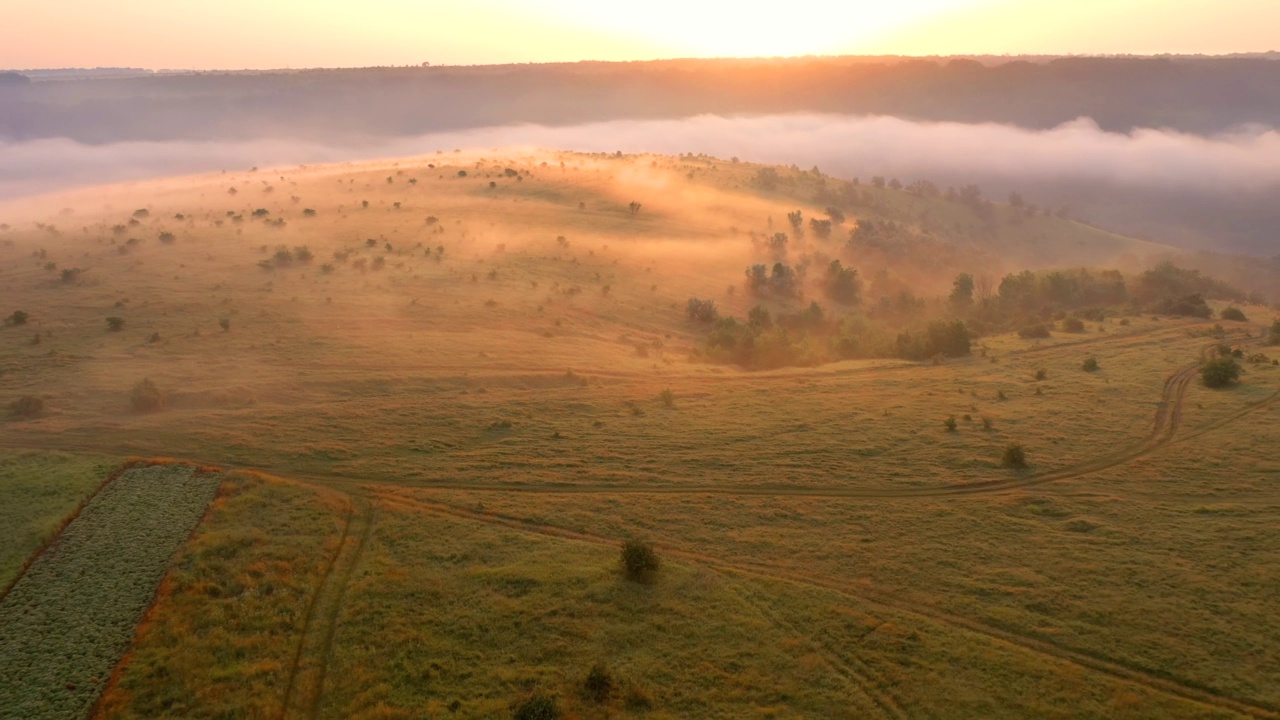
point(479, 378)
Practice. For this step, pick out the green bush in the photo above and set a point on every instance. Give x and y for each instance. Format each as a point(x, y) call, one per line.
point(639, 561)
point(950, 423)
point(1273, 338)
point(1233, 313)
point(1220, 372)
point(1091, 365)
point(1073, 325)
point(1014, 456)
point(115, 324)
point(536, 707)
point(599, 684)
point(18, 318)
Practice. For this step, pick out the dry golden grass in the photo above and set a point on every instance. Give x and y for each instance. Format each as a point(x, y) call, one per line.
point(492, 414)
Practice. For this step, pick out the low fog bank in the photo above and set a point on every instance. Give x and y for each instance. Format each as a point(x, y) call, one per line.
point(1135, 182)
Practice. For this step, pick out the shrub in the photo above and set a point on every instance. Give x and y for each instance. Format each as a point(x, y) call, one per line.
point(225, 324)
point(1233, 313)
point(1220, 372)
point(18, 318)
point(599, 684)
point(1073, 325)
point(987, 424)
point(1014, 456)
point(537, 706)
point(702, 310)
point(639, 561)
point(1033, 331)
point(667, 397)
point(1273, 338)
point(115, 324)
point(167, 237)
point(27, 406)
point(146, 396)
point(1041, 374)
point(1090, 365)
point(950, 423)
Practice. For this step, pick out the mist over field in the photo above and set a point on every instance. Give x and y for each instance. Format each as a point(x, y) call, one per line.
point(1076, 163)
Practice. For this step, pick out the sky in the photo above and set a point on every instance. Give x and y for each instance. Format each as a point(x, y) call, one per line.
point(252, 34)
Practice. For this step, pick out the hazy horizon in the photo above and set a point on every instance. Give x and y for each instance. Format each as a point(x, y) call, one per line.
point(298, 34)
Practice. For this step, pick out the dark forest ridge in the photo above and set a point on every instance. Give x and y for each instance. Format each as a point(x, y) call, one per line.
point(1200, 95)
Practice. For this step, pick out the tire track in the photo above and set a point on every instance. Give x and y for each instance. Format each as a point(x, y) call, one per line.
point(304, 688)
point(862, 678)
point(331, 618)
point(1168, 419)
point(1150, 678)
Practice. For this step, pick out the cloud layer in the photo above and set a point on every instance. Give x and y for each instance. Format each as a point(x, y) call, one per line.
point(844, 146)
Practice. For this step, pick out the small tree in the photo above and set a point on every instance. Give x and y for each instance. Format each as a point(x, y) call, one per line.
point(599, 683)
point(962, 291)
point(537, 706)
point(1220, 372)
point(115, 323)
point(146, 396)
point(1014, 457)
point(27, 406)
point(1233, 313)
point(667, 397)
point(18, 318)
point(950, 423)
point(639, 561)
point(702, 310)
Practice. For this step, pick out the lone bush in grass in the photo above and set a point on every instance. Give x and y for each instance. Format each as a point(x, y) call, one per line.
point(1273, 338)
point(536, 707)
point(27, 406)
point(18, 318)
point(1014, 457)
point(667, 398)
point(1073, 325)
point(1034, 331)
point(599, 684)
point(950, 423)
point(702, 310)
point(1220, 372)
point(639, 561)
point(115, 324)
point(1090, 365)
point(146, 396)
point(1233, 313)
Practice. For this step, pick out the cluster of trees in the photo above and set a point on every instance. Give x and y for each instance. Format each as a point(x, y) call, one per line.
point(812, 336)
point(782, 280)
point(1031, 303)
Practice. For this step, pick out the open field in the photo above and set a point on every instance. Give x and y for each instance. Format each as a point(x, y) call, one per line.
point(39, 489)
point(468, 413)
